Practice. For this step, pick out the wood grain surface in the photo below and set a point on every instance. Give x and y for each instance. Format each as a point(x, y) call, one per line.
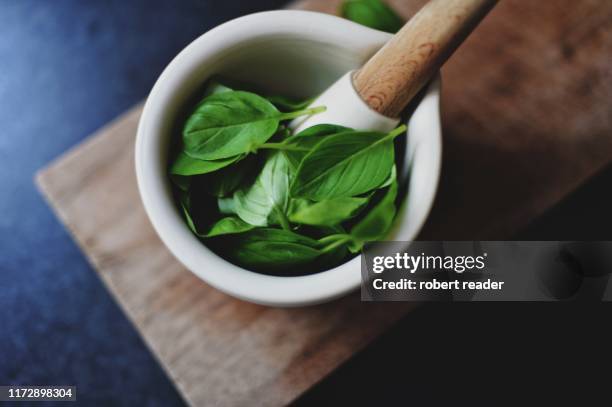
point(218, 350)
point(527, 118)
point(400, 69)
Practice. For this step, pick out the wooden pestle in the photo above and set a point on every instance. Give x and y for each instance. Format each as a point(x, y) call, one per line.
point(396, 73)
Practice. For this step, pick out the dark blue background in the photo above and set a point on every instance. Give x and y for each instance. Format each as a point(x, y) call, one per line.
point(67, 68)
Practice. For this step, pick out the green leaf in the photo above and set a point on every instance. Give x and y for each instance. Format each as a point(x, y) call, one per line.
point(377, 221)
point(269, 249)
point(325, 213)
point(286, 104)
point(227, 206)
point(345, 164)
point(232, 199)
point(185, 202)
point(224, 226)
point(181, 182)
point(372, 13)
point(227, 180)
point(312, 135)
point(232, 123)
point(392, 177)
point(215, 87)
point(309, 138)
point(187, 166)
point(227, 226)
point(266, 201)
point(283, 133)
point(319, 232)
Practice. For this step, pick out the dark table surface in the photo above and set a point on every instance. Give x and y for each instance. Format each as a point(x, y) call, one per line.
point(67, 67)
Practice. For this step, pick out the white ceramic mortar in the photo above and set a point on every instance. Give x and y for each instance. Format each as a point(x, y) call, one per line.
point(296, 53)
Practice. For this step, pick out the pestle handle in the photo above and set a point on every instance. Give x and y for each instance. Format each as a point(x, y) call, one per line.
point(396, 73)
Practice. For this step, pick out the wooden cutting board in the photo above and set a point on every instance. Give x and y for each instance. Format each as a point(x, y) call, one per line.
point(527, 118)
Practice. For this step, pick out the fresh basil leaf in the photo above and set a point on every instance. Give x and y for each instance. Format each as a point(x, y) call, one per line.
point(372, 13)
point(187, 166)
point(215, 87)
point(325, 213)
point(227, 206)
point(392, 177)
point(181, 182)
point(266, 201)
point(283, 133)
point(332, 257)
point(286, 104)
point(227, 180)
point(313, 135)
point(227, 226)
point(345, 164)
point(185, 202)
point(318, 232)
point(309, 138)
point(232, 123)
point(231, 198)
point(377, 221)
point(355, 246)
point(224, 226)
point(269, 250)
